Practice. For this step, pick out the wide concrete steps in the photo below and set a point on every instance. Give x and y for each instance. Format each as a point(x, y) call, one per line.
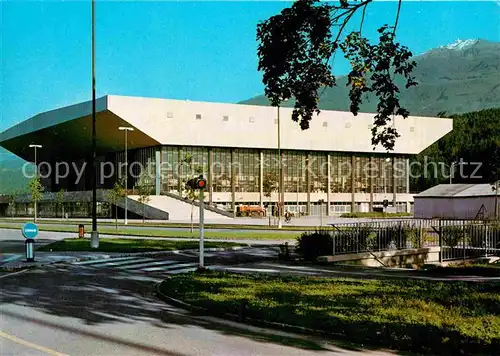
point(178, 209)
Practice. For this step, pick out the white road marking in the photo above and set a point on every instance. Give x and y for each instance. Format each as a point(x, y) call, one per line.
point(149, 264)
point(171, 267)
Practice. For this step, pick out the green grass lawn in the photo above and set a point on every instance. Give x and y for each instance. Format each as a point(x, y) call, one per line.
point(129, 245)
point(374, 214)
point(224, 235)
point(167, 224)
point(419, 316)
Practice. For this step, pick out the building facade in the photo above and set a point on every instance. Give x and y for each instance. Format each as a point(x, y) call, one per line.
point(330, 168)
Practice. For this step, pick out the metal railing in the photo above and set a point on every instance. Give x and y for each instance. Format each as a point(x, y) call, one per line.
point(383, 236)
point(458, 239)
point(469, 239)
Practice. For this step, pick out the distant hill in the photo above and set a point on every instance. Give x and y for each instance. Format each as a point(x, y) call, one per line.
point(458, 78)
point(11, 176)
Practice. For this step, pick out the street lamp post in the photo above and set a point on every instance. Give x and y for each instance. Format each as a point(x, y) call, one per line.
point(279, 170)
point(94, 235)
point(36, 171)
point(126, 129)
point(281, 200)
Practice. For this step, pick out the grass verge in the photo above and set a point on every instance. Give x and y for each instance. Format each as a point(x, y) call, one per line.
point(375, 215)
point(129, 245)
point(164, 225)
point(419, 316)
point(223, 235)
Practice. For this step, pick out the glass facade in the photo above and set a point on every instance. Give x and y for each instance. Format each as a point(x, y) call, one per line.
point(348, 173)
point(221, 169)
point(240, 169)
point(340, 171)
point(303, 171)
point(294, 168)
point(247, 170)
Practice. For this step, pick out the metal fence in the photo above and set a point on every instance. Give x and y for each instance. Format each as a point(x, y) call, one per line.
point(469, 239)
point(458, 239)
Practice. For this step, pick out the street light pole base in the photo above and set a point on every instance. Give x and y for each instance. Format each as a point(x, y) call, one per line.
point(94, 239)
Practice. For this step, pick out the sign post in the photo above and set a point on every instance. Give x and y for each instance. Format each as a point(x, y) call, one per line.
point(202, 228)
point(29, 231)
point(200, 183)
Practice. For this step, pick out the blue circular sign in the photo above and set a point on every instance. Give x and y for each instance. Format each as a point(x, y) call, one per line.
point(30, 230)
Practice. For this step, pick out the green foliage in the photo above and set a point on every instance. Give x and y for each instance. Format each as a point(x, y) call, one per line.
point(295, 48)
point(117, 193)
point(475, 138)
point(311, 245)
point(269, 183)
point(60, 199)
point(452, 235)
point(426, 317)
point(442, 74)
point(36, 189)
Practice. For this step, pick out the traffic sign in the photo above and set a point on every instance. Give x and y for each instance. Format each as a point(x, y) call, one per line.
point(29, 230)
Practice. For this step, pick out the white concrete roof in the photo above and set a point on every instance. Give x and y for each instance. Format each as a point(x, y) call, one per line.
point(457, 191)
point(189, 123)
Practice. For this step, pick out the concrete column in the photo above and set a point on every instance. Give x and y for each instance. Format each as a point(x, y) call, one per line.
point(282, 183)
point(394, 195)
point(371, 183)
point(408, 176)
point(308, 185)
point(233, 185)
point(353, 201)
point(158, 172)
point(210, 176)
point(261, 178)
point(179, 171)
point(408, 207)
point(328, 184)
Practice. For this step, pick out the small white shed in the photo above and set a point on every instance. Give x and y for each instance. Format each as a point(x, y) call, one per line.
point(457, 201)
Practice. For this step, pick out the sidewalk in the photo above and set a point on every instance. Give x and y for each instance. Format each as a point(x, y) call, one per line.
point(347, 272)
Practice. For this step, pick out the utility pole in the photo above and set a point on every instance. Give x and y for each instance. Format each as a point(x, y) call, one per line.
point(94, 235)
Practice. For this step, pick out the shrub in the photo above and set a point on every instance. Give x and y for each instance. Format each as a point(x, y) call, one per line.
point(311, 245)
point(452, 235)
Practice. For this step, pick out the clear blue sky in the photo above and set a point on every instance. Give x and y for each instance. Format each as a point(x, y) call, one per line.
point(181, 50)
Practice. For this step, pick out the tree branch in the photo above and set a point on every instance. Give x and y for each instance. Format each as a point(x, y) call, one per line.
point(362, 19)
point(397, 18)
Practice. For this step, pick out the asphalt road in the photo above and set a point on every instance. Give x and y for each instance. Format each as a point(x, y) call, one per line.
point(77, 311)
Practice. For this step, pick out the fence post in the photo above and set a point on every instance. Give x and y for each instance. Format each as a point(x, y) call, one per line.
point(333, 241)
point(463, 237)
point(440, 243)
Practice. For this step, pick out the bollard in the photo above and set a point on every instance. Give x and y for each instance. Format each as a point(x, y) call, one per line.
point(242, 310)
point(81, 231)
point(29, 245)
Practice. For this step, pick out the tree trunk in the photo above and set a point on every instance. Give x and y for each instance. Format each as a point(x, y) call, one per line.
point(116, 216)
point(143, 213)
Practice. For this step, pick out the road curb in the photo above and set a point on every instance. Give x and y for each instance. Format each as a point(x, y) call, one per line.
point(237, 318)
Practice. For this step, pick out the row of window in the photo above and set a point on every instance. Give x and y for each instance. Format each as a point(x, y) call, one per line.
point(301, 172)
